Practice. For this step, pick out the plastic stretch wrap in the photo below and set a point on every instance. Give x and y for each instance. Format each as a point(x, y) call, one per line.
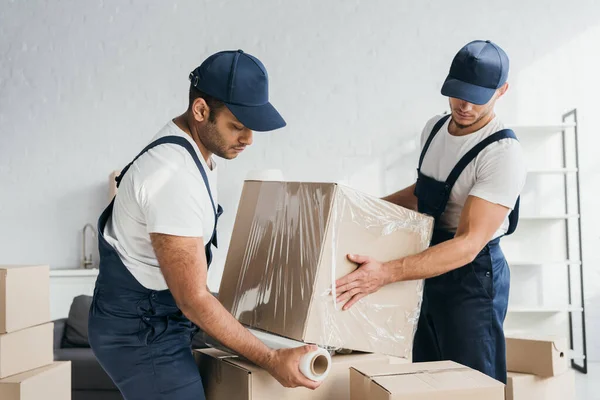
point(289, 246)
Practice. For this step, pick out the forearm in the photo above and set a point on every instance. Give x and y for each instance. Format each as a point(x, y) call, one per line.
point(434, 261)
point(404, 198)
point(210, 316)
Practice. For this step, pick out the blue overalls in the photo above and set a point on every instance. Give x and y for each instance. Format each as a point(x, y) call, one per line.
point(463, 310)
point(139, 336)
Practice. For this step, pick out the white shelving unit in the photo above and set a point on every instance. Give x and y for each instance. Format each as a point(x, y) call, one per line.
point(569, 216)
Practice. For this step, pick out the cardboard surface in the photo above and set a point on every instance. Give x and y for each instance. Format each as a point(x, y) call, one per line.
point(226, 377)
point(52, 382)
point(541, 356)
point(444, 380)
point(24, 296)
point(26, 349)
point(289, 244)
point(531, 387)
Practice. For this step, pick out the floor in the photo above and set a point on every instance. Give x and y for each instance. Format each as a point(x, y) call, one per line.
point(588, 386)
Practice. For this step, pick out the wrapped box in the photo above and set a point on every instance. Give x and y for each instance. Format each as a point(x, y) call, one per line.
point(290, 243)
point(227, 377)
point(52, 382)
point(24, 296)
point(541, 356)
point(444, 380)
point(26, 349)
point(530, 387)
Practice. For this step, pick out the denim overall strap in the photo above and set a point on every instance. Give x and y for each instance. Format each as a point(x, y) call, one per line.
point(217, 209)
point(438, 125)
point(471, 155)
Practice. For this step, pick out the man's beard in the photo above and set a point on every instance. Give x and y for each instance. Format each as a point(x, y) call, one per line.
point(213, 140)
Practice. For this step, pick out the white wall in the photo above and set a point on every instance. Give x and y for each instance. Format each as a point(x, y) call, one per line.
point(84, 85)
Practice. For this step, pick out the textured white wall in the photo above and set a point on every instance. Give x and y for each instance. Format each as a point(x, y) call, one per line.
point(84, 85)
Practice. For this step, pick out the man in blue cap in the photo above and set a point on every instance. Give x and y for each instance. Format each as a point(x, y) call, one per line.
point(155, 242)
point(470, 175)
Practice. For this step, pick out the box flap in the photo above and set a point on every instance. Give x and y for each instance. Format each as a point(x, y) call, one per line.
point(403, 369)
point(436, 381)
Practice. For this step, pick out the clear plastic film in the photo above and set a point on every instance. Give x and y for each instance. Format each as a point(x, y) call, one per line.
point(289, 246)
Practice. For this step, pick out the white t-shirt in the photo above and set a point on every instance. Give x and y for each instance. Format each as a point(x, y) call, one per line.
point(162, 192)
point(497, 174)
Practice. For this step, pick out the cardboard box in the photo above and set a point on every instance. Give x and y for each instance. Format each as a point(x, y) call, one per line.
point(26, 349)
point(290, 243)
point(531, 387)
point(52, 382)
point(227, 377)
point(444, 380)
point(24, 296)
point(541, 356)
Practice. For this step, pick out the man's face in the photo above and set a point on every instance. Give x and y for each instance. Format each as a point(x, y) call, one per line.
point(223, 135)
point(465, 114)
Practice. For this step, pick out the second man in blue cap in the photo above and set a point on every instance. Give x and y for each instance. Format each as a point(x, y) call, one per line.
point(470, 175)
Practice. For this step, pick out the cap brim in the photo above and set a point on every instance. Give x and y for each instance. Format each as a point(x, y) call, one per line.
point(466, 91)
point(258, 118)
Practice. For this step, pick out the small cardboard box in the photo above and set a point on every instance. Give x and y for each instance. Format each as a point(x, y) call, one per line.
point(290, 244)
point(52, 382)
point(531, 387)
point(26, 349)
point(24, 296)
point(228, 377)
point(444, 380)
point(541, 356)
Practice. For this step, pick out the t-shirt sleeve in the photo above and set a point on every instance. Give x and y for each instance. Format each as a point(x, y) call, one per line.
point(172, 203)
point(500, 174)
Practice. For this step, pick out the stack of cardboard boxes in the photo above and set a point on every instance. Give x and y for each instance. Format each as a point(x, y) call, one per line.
point(289, 245)
point(538, 369)
point(27, 367)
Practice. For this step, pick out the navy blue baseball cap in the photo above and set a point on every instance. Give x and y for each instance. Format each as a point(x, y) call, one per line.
point(477, 71)
point(241, 82)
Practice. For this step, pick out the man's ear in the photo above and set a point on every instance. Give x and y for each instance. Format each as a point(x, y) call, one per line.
point(502, 89)
point(200, 110)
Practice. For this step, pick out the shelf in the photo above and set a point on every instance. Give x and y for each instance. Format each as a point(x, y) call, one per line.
point(522, 263)
point(575, 355)
point(540, 129)
point(544, 309)
point(548, 217)
point(541, 171)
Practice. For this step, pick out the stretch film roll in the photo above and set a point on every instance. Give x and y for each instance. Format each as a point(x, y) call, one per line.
point(314, 365)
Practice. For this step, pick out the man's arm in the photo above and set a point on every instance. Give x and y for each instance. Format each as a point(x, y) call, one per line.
point(479, 220)
point(405, 198)
point(183, 264)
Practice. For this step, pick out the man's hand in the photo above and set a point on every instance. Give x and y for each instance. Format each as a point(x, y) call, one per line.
point(368, 278)
point(284, 365)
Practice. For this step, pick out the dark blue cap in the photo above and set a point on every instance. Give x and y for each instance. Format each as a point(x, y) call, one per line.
point(477, 70)
point(241, 82)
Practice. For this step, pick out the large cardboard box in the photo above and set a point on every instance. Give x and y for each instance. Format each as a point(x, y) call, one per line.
point(541, 356)
point(531, 387)
point(52, 382)
point(290, 243)
point(227, 377)
point(24, 296)
point(26, 349)
point(444, 380)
